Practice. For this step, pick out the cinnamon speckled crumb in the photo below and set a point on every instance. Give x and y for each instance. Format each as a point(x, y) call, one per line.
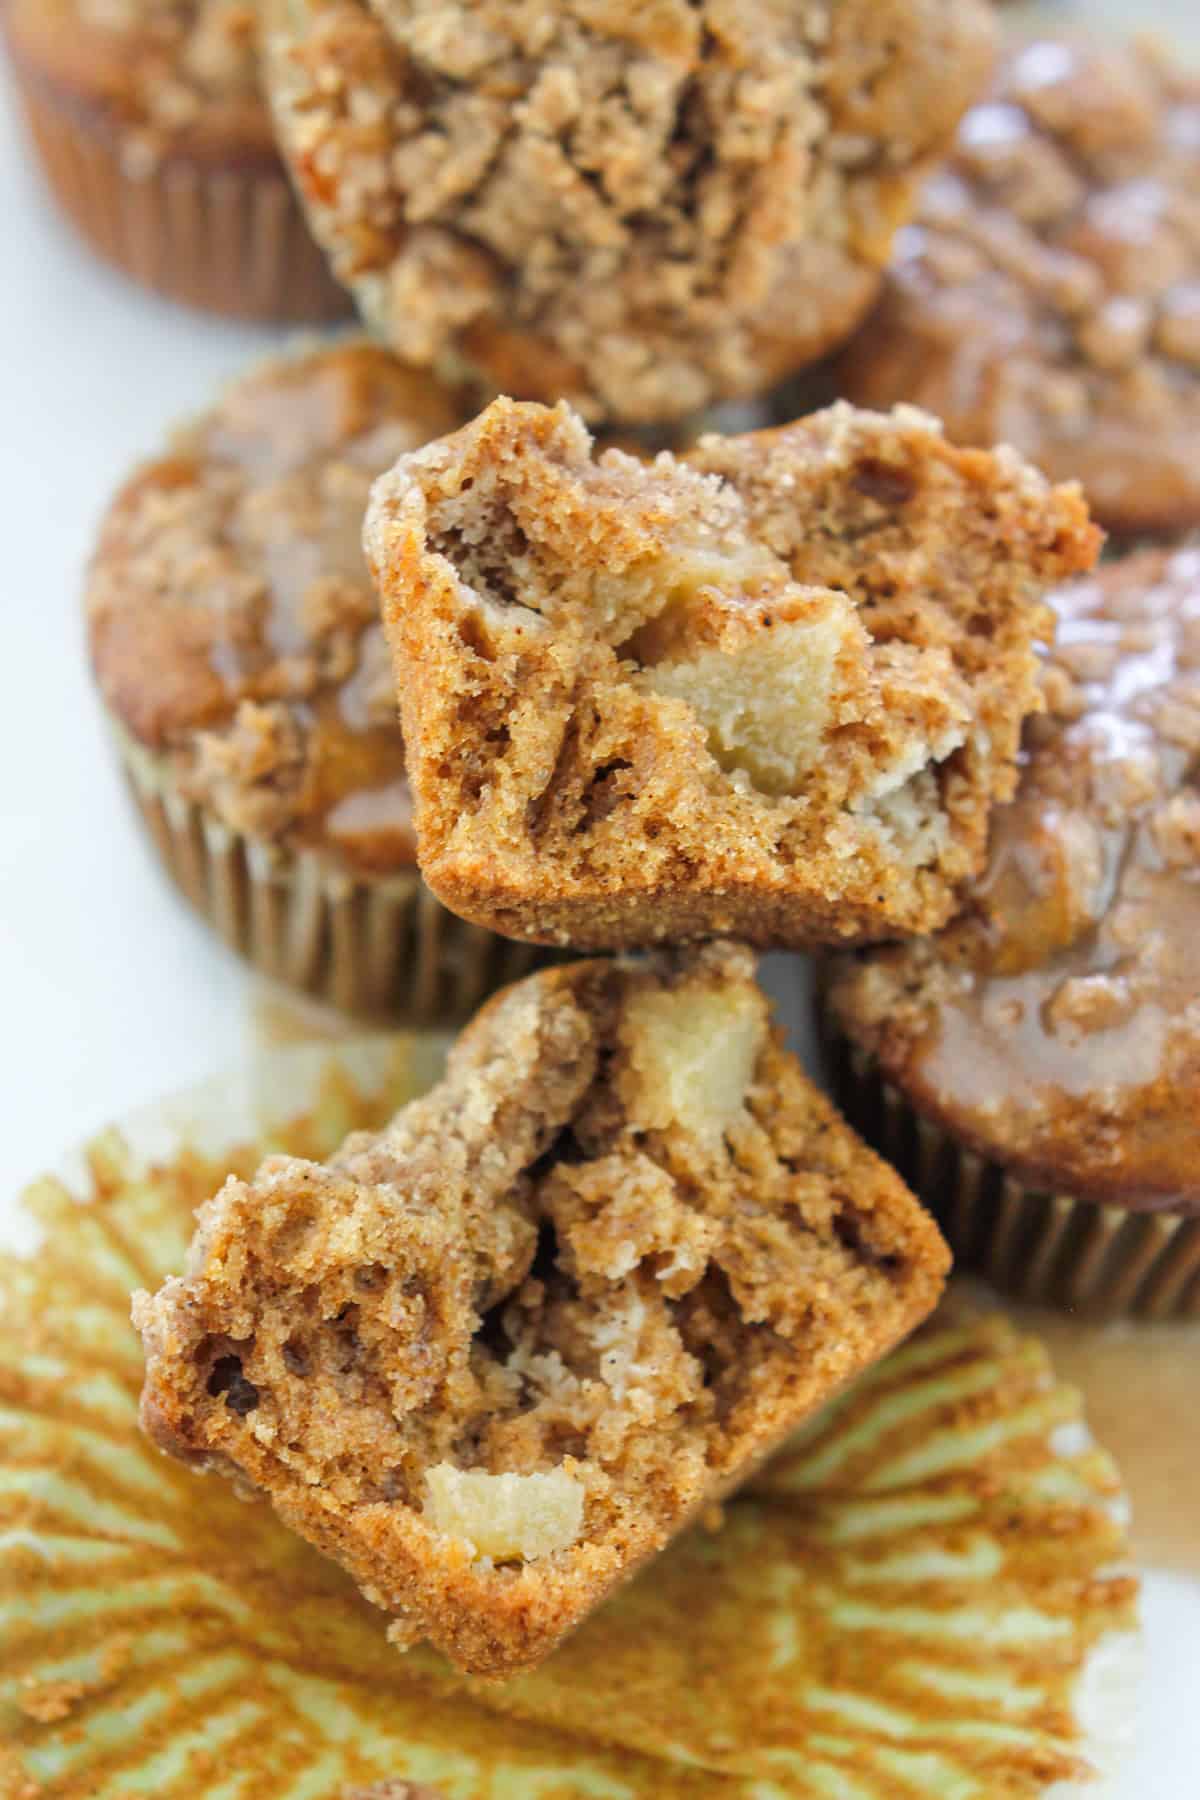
point(771, 688)
point(495, 1356)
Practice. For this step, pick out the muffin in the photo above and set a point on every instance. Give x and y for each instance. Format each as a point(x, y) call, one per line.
point(944, 1547)
point(642, 210)
point(1048, 295)
point(1035, 1069)
point(768, 690)
point(152, 131)
point(495, 1357)
point(236, 643)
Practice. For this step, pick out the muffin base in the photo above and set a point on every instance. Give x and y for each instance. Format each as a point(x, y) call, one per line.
point(224, 236)
point(1051, 1249)
point(380, 947)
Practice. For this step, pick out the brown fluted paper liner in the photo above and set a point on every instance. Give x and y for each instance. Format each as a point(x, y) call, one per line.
point(1047, 1248)
point(380, 947)
point(927, 1596)
point(226, 237)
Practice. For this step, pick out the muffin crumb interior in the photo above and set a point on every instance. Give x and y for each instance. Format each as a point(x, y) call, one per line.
point(799, 657)
point(550, 1311)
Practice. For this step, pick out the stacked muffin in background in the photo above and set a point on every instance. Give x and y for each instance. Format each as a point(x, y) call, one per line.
point(1035, 1070)
point(238, 649)
point(154, 134)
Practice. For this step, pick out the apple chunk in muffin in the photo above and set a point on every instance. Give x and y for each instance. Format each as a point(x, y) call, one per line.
point(770, 689)
point(495, 1356)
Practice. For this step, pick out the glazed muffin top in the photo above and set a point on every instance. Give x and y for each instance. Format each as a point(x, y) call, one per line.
point(180, 76)
point(233, 627)
point(1049, 294)
point(640, 209)
point(1056, 1025)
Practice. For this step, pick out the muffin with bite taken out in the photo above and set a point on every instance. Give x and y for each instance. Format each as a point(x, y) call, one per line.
point(768, 689)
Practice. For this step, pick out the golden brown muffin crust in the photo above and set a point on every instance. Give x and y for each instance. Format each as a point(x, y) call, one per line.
point(233, 627)
point(177, 77)
point(493, 1357)
point(1049, 294)
point(1056, 1025)
point(770, 688)
point(641, 209)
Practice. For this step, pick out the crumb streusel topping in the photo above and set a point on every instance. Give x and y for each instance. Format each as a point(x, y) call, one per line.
point(1049, 294)
point(640, 209)
point(174, 76)
point(233, 625)
point(209, 46)
point(1057, 1021)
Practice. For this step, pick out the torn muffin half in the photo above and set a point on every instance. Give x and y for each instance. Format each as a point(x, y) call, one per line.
point(768, 690)
point(495, 1356)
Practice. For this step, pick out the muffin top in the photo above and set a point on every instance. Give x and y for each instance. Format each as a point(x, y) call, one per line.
point(233, 626)
point(1049, 295)
point(1056, 1024)
point(640, 209)
point(181, 76)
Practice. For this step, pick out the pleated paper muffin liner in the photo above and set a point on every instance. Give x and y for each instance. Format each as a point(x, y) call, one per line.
point(226, 236)
point(1051, 1249)
point(381, 947)
point(925, 1597)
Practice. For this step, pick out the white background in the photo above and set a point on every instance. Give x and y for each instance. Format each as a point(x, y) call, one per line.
point(110, 992)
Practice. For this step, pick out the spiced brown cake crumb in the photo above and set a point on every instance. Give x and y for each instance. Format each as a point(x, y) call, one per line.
point(769, 689)
point(1049, 292)
point(642, 209)
point(494, 1356)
